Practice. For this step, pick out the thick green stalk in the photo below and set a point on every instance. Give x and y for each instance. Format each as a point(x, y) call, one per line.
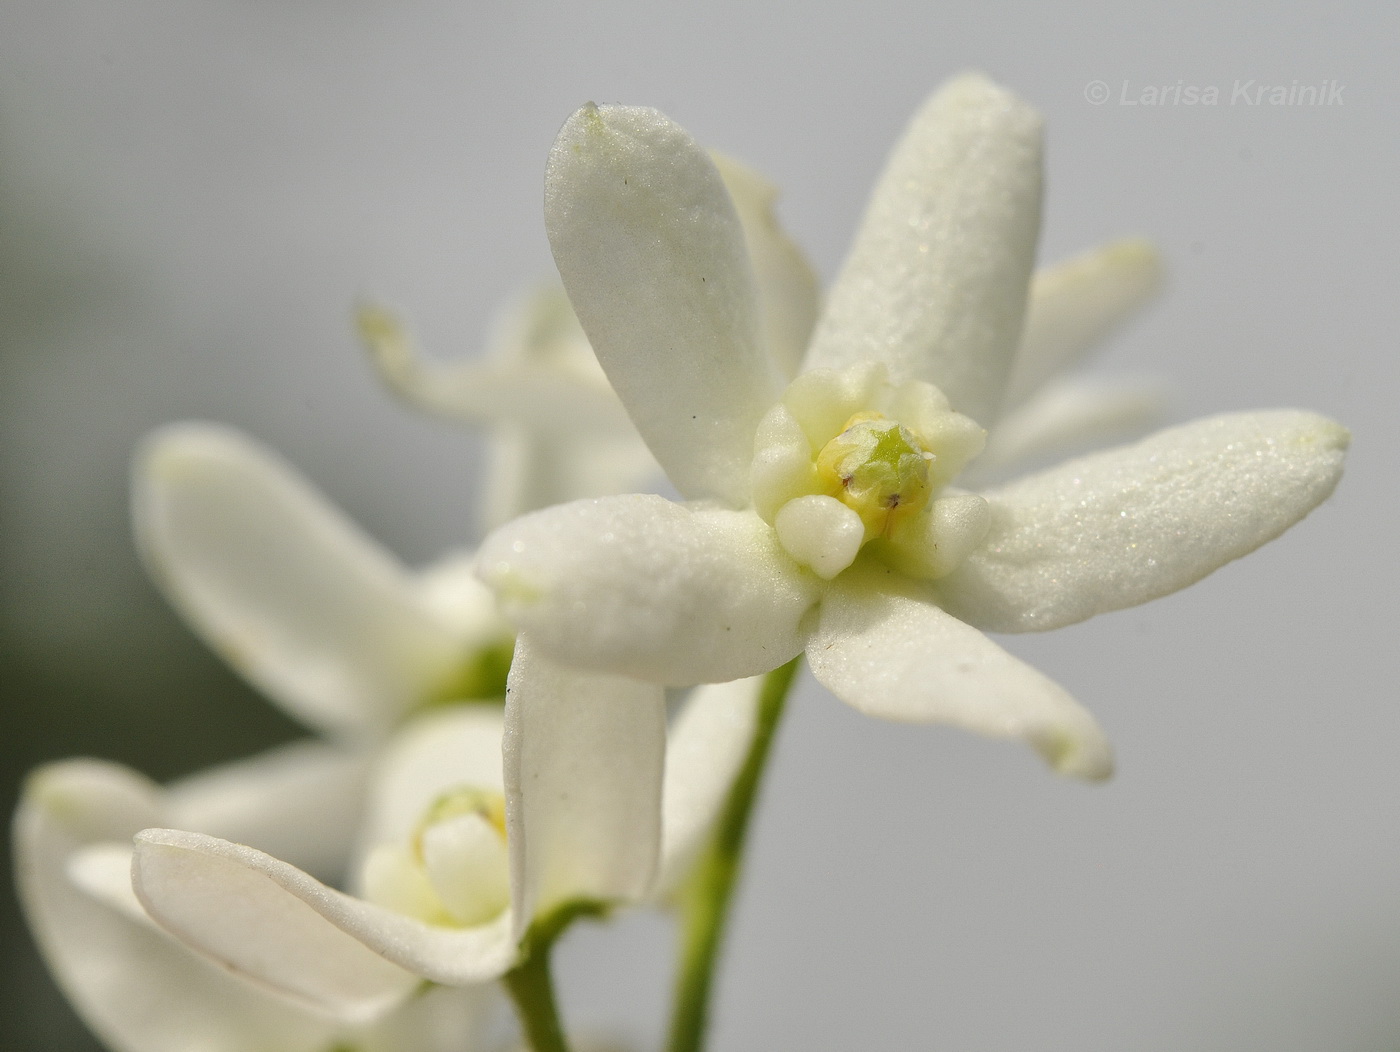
point(706, 899)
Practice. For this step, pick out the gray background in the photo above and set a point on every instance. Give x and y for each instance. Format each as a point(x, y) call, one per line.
point(191, 195)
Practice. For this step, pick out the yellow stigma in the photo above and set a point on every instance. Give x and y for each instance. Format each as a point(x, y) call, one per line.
point(464, 800)
point(878, 469)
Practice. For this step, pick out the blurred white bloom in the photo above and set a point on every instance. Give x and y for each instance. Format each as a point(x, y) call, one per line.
point(459, 857)
point(140, 990)
point(820, 518)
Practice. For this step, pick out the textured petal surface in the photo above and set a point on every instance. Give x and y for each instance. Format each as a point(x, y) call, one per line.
point(788, 290)
point(584, 753)
point(295, 598)
point(135, 987)
point(637, 585)
point(705, 748)
point(1076, 304)
point(654, 259)
point(1068, 416)
point(301, 802)
point(935, 285)
point(282, 928)
point(1127, 525)
point(885, 649)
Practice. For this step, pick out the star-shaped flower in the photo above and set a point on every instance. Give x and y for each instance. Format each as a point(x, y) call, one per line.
point(821, 517)
point(462, 854)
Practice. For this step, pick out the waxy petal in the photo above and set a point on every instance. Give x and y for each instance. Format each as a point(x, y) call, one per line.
point(583, 758)
point(654, 259)
point(883, 648)
point(935, 284)
point(307, 608)
point(1075, 304)
point(280, 927)
point(138, 990)
point(1118, 528)
point(636, 585)
point(301, 802)
point(789, 292)
point(706, 746)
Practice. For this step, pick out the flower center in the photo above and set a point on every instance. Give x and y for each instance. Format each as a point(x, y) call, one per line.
point(848, 459)
point(454, 869)
point(878, 469)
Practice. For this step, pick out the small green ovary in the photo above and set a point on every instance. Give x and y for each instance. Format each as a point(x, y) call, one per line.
point(879, 469)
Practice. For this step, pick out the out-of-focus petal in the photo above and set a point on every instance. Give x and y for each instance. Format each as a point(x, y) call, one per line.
point(1064, 417)
point(533, 470)
point(584, 754)
point(705, 748)
point(292, 595)
point(135, 987)
point(1075, 304)
point(280, 927)
point(437, 1019)
point(540, 371)
point(301, 802)
point(1120, 527)
point(935, 284)
point(885, 649)
point(654, 259)
point(789, 292)
point(640, 586)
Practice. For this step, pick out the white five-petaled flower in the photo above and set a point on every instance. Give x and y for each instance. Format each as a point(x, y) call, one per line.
point(820, 517)
point(462, 854)
point(139, 989)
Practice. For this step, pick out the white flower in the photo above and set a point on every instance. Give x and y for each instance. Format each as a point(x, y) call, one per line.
point(460, 857)
point(141, 991)
point(820, 518)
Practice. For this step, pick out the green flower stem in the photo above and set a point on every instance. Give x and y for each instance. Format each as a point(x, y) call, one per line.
point(706, 899)
point(530, 983)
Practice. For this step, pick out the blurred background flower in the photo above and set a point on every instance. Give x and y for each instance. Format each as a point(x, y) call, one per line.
point(193, 196)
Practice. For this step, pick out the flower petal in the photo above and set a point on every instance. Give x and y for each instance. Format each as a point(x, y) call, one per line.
point(583, 760)
point(706, 746)
point(639, 586)
point(1063, 417)
point(540, 371)
point(788, 290)
point(1076, 304)
point(135, 987)
point(301, 802)
point(529, 471)
point(437, 1019)
point(935, 284)
point(305, 606)
point(1118, 528)
point(267, 920)
point(652, 253)
point(883, 648)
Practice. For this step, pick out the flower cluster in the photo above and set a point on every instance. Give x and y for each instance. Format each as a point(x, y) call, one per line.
point(497, 756)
